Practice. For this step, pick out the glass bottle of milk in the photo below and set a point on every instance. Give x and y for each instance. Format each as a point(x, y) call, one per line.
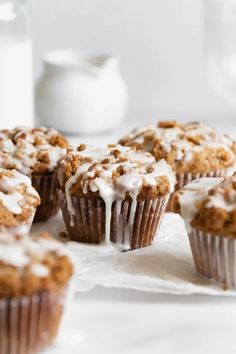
point(16, 72)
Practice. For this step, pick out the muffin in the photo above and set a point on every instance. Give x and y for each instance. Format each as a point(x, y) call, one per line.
point(193, 150)
point(34, 276)
point(18, 201)
point(35, 153)
point(113, 194)
point(208, 206)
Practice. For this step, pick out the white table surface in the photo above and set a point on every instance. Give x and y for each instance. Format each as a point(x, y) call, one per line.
point(118, 321)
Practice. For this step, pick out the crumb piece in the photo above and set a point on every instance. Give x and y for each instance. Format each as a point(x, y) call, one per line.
point(63, 235)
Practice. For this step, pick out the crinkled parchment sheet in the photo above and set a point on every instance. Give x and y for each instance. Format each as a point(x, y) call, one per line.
point(165, 267)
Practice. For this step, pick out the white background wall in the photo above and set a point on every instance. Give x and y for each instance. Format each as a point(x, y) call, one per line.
point(160, 43)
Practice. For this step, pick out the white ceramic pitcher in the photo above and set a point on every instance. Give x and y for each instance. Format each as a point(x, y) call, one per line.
point(79, 93)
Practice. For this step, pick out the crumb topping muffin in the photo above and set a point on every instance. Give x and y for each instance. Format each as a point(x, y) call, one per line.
point(192, 147)
point(114, 170)
point(209, 205)
point(31, 265)
point(31, 151)
point(113, 191)
point(18, 199)
point(35, 152)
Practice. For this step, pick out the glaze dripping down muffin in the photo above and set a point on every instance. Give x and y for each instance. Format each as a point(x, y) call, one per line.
point(115, 176)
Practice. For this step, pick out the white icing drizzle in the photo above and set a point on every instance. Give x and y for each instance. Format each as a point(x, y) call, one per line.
point(25, 250)
point(12, 201)
point(10, 196)
point(139, 169)
point(13, 255)
point(40, 270)
point(21, 148)
point(120, 225)
point(219, 201)
point(68, 186)
point(177, 138)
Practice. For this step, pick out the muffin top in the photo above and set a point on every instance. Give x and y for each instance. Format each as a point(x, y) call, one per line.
point(209, 204)
point(32, 264)
point(36, 150)
point(114, 172)
point(192, 147)
point(18, 199)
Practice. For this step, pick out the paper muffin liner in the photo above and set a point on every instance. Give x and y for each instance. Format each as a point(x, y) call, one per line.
point(46, 186)
point(132, 225)
point(30, 323)
point(214, 257)
point(185, 178)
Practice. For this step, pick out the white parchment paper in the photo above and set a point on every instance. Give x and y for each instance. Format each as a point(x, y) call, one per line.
point(165, 267)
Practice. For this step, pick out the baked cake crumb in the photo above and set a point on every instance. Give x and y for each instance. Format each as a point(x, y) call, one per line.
point(63, 235)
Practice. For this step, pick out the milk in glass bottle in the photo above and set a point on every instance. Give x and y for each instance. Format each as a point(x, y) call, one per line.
point(16, 77)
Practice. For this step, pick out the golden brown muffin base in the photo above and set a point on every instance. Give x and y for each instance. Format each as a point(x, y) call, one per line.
point(214, 257)
point(89, 221)
point(30, 324)
point(46, 186)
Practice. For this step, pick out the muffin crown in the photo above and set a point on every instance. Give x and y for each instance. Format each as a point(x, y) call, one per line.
point(18, 199)
point(115, 170)
point(36, 150)
point(192, 147)
point(32, 264)
point(209, 204)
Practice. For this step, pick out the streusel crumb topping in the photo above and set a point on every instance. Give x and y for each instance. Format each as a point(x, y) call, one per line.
point(32, 264)
point(18, 199)
point(36, 150)
point(209, 204)
point(192, 147)
point(114, 169)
